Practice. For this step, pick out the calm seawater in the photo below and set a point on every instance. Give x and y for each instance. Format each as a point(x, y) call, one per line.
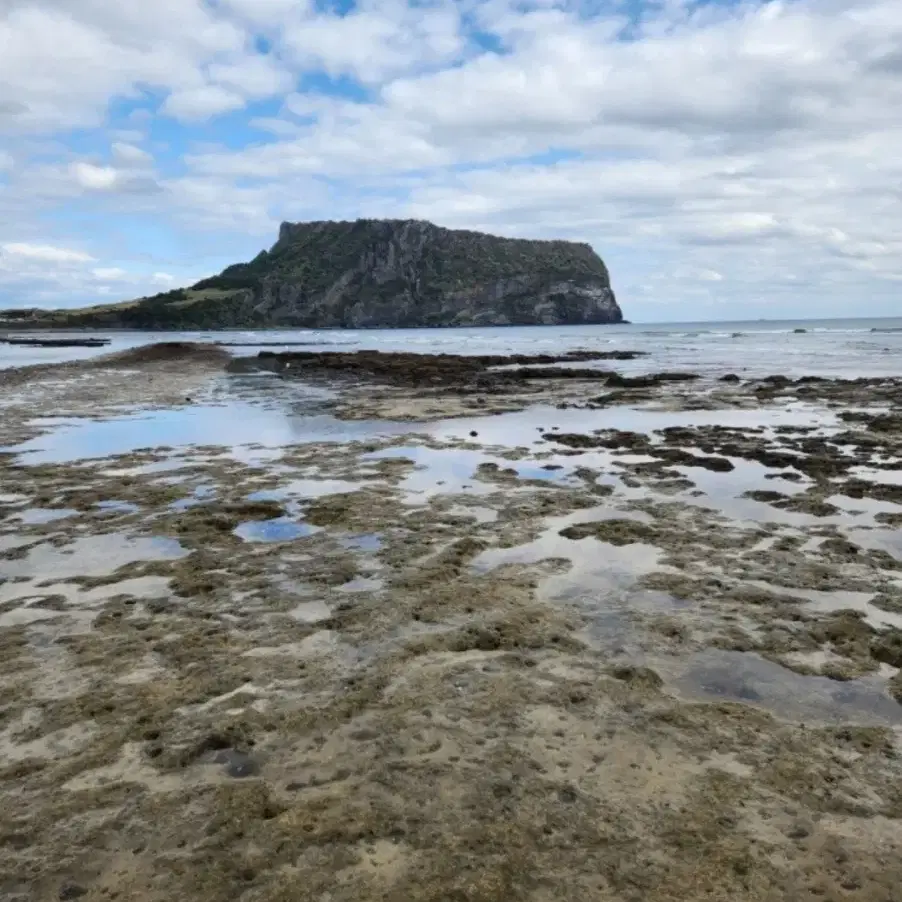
point(832, 347)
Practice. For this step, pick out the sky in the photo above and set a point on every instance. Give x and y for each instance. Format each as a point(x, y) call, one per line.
point(728, 160)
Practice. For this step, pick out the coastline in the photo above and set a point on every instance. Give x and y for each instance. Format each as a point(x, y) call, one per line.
point(416, 631)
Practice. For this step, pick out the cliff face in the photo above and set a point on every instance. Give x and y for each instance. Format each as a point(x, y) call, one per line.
point(408, 273)
point(388, 273)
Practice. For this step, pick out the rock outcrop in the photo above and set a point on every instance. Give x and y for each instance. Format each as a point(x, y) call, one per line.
point(387, 273)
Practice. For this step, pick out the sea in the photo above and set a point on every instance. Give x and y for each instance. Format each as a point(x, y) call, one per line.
point(844, 348)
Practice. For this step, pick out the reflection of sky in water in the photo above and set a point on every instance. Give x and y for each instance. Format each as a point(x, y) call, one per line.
point(362, 584)
point(888, 540)
point(523, 427)
point(236, 425)
point(868, 505)
point(305, 488)
point(200, 494)
point(453, 470)
point(828, 601)
point(118, 507)
point(281, 529)
point(890, 477)
point(363, 542)
point(746, 677)
point(597, 570)
point(36, 516)
point(92, 556)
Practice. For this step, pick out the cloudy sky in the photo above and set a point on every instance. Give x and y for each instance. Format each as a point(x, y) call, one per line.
point(726, 159)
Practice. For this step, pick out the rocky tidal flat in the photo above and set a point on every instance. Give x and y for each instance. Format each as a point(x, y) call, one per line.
point(344, 626)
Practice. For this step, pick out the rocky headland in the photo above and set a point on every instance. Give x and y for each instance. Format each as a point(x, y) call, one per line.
point(373, 274)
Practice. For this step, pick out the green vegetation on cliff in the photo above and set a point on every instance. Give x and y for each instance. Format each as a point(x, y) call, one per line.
point(372, 273)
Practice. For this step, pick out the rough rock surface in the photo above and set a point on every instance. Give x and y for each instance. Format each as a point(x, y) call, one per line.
point(410, 273)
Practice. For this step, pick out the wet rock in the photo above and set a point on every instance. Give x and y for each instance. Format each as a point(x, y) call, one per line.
point(615, 380)
point(69, 891)
point(888, 602)
point(847, 631)
point(466, 373)
point(567, 794)
point(887, 648)
point(799, 830)
point(764, 496)
point(865, 488)
point(730, 377)
point(206, 749)
point(640, 677)
point(614, 439)
point(838, 547)
point(221, 520)
point(807, 504)
point(679, 457)
point(789, 475)
point(895, 687)
point(614, 532)
point(158, 606)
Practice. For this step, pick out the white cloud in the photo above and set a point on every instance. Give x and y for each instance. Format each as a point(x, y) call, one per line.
point(202, 103)
point(94, 178)
point(253, 77)
point(33, 274)
point(129, 155)
point(377, 39)
point(272, 13)
point(44, 252)
point(109, 273)
point(61, 61)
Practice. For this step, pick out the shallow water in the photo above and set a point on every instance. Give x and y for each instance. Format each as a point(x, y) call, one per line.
point(37, 516)
point(281, 529)
point(305, 489)
point(453, 470)
point(828, 602)
point(593, 570)
point(246, 428)
point(117, 507)
point(91, 556)
point(25, 600)
point(525, 427)
point(747, 677)
point(370, 541)
point(841, 347)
